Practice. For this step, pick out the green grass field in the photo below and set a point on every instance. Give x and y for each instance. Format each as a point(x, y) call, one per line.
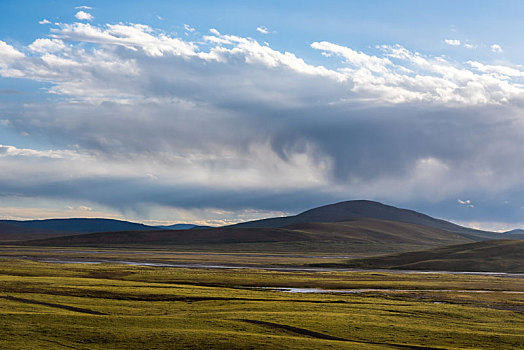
point(110, 306)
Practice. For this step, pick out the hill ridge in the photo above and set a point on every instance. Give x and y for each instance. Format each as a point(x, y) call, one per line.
point(356, 209)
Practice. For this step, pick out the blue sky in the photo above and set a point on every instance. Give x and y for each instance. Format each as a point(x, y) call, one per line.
point(218, 112)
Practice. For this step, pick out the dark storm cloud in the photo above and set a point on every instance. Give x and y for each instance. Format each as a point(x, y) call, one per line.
point(131, 194)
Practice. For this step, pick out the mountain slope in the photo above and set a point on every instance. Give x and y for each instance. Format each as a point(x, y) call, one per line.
point(492, 255)
point(356, 209)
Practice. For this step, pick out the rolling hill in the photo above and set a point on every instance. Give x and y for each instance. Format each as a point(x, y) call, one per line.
point(14, 230)
point(363, 236)
point(79, 225)
point(365, 227)
point(492, 256)
point(358, 209)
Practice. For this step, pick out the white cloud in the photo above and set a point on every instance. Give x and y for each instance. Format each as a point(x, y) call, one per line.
point(45, 209)
point(188, 28)
point(452, 42)
point(263, 30)
point(358, 59)
point(44, 21)
point(254, 53)
point(466, 202)
point(47, 45)
point(83, 8)
point(84, 208)
point(81, 15)
point(8, 52)
point(12, 151)
point(496, 48)
point(397, 76)
point(133, 37)
point(456, 42)
point(498, 69)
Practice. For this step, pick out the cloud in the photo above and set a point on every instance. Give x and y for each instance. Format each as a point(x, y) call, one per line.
point(83, 16)
point(83, 8)
point(12, 151)
point(452, 42)
point(496, 48)
point(466, 202)
point(44, 21)
point(84, 208)
point(262, 30)
point(456, 42)
point(138, 118)
point(504, 71)
point(188, 28)
point(32, 211)
point(133, 37)
point(47, 45)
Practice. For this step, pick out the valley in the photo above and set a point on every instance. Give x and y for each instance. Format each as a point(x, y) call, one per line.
point(393, 279)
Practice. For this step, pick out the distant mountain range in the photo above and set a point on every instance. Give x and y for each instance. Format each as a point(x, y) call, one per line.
point(83, 225)
point(356, 232)
point(361, 226)
point(182, 227)
point(36, 229)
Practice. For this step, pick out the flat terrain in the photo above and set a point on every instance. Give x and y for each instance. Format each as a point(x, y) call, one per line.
point(112, 306)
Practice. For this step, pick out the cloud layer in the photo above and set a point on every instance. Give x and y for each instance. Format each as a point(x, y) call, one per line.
point(140, 118)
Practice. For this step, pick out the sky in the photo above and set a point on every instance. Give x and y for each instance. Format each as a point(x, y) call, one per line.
point(211, 112)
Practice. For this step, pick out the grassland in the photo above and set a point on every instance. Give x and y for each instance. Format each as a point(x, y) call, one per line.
point(111, 306)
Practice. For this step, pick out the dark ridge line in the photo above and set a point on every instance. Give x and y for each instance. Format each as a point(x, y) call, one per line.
point(318, 335)
point(59, 306)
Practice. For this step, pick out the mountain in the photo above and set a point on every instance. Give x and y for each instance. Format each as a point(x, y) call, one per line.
point(81, 225)
point(181, 227)
point(362, 236)
point(370, 231)
point(493, 255)
point(358, 209)
point(363, 227)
